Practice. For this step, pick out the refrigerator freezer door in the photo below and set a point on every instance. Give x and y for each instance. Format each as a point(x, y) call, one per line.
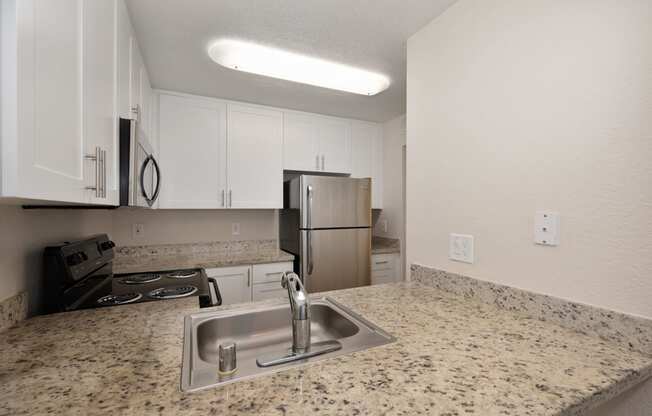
point(335, 259)
point(334, 202)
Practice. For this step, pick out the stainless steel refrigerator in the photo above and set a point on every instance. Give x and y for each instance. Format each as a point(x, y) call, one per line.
point(326, 224)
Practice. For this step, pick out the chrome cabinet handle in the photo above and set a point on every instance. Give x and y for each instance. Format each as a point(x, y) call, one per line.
point(317, 162)
point(103, 192)
point(136, 110)
point(382, 262)
point(230, 198)
point(223, 199)
point(248, 277)
point(322, 162)
point(96, 157)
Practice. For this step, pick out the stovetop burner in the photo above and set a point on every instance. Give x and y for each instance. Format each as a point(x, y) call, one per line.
point(183, 274)
point(172, 292)
point(111, 300)
point(137, 279)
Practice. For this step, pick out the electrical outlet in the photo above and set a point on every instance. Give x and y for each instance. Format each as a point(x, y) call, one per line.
point(385, 222)
point(235, 228)
point(138, 231)
point(461, 248)
point(546, 228)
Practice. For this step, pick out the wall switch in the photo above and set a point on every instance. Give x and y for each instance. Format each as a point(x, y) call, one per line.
point(235, 228)
point(461, 248)
point(138, 231)
point(546, 228)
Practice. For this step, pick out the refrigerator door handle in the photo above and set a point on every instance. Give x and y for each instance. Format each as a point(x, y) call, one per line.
point(309, 207)
point(309, 254)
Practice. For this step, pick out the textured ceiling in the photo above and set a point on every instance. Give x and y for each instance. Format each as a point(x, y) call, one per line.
point(370, 34)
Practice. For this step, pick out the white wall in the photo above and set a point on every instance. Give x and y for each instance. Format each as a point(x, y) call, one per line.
point(393, 142)
point(25, 233)
point(516, 106)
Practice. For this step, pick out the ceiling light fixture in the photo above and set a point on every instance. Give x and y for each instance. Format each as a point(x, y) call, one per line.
point(277, 63)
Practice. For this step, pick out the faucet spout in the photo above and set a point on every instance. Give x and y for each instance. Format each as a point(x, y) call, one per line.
point(300, 307)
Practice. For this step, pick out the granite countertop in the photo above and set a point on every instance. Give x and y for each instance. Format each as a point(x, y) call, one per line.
point(383, 245)
point(137, 259)
point(453, 356)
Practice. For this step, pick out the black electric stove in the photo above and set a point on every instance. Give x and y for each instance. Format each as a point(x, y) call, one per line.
point(79, 275)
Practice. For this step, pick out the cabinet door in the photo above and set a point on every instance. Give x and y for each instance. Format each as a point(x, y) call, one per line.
point(367, 157)
point(255, 157)
point(300, 143)
point(100, 95)
point(124, 36)
point(271, 273)
point(266, 291)
point(135, 81)
point(50, 148)
point(334, 145)
point(234, 283)
point(192, 148)
point(145, 101)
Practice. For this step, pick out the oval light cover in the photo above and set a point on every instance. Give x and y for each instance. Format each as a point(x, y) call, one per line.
point(290, 66)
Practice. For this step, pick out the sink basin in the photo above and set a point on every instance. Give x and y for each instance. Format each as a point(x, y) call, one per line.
point(264, 330)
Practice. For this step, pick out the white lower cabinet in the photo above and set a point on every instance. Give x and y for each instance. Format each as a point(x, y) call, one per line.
point(234, 283)
point(250, 283)
point(267, 280)
point(384, 268)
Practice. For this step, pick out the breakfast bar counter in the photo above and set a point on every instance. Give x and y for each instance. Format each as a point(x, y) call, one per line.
point(454, 355)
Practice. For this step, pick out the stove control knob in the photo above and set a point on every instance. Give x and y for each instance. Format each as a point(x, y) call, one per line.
point(107, 245)
point(76, 258)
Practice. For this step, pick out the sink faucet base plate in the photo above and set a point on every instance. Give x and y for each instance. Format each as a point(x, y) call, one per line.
point(316, 348)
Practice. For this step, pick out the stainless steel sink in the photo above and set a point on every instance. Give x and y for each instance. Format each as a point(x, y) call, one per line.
point(266, 330)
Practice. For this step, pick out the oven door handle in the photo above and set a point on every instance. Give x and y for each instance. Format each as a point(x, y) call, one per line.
point(216, 297)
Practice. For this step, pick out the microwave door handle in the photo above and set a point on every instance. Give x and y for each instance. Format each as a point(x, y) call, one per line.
point(143, 190)
point(158, 180)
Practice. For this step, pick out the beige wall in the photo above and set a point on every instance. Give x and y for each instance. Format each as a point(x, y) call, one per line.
point(24, 234)
point(188, 226)
point(518, 106)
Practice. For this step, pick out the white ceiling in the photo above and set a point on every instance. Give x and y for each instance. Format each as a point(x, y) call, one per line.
point(370, 34)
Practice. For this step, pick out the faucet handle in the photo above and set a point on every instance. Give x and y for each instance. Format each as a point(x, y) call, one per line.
point(287, 277)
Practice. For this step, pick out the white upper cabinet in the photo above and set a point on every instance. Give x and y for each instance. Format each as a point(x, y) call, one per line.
point(300, 143)
point(367, 157)
point(255, 168)
point(140, 90)
point(100, 99)
point(58, 100)
point(314, 143)
point(335, 145)
point(192, 149)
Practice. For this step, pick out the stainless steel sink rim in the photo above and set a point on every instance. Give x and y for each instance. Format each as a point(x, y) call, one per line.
point(193, 321)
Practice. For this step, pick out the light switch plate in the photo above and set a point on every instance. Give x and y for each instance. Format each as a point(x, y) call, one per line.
point(546, 228)
point(461, 248)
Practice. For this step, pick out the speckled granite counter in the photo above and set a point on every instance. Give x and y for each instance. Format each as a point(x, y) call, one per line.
point(454, 356)
point(136, 259)
point(383, 245)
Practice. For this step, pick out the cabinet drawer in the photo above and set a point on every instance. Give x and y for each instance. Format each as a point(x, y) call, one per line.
point(270, 290)
point(383, 261)
point(379, 277)
point(271, 273)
